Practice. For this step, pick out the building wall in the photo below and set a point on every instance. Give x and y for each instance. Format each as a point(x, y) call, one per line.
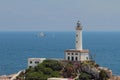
point(32, 62)
point(78, 40)
point(71, 56)
point(84, 56)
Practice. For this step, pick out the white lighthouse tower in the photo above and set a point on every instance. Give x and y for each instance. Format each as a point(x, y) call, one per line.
point(77, 54)
point(78, 36)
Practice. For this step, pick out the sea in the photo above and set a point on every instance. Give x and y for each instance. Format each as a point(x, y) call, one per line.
point(17, 47)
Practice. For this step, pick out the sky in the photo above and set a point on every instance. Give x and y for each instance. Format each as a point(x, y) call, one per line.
point(59, 15)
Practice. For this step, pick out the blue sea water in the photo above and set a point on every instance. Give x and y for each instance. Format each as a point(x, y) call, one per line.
point(17, 47)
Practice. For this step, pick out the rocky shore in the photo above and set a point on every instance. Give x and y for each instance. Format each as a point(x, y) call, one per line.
point(115, 78)
point(6, 77)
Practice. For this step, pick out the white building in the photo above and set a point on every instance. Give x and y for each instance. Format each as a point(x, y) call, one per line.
point(32, 62)
point(77, 54)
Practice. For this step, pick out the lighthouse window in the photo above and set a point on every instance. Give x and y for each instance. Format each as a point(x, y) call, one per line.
point(30, 66)
point(72, 58)
point(68, 53)
point(36, 62)
point(76, 41)
point(76, 53)
point(76, 58)
point(30, 62)
point(68, 58)
point(87, 58)
point(76, 35)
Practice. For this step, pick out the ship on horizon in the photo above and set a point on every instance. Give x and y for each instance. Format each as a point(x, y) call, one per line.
point(41, 34)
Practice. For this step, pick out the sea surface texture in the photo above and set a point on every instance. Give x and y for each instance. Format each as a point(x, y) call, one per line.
point(17, 47)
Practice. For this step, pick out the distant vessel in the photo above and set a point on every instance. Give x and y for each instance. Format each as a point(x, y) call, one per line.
point(41, 34)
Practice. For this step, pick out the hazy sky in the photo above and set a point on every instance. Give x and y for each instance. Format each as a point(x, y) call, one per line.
point(59, 15)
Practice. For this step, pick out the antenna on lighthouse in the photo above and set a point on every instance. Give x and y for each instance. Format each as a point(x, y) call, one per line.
point(78, 23)
point(79, 27)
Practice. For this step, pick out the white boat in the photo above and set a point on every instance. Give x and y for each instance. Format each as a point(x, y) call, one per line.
point(41, 34)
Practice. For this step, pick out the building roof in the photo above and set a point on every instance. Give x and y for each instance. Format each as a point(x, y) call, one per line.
point(36, 59)
point(74, 50)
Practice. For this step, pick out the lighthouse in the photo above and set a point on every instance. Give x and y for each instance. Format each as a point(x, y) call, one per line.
point(77, 54)
point(78, 36)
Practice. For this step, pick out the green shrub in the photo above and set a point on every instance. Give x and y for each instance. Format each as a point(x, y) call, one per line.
point(103, 75)
point(53, 64)
point(85, 76)
point(49, 68)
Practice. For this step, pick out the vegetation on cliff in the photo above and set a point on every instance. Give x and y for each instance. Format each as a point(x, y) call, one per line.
point(49, 68)
point(66, 69)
